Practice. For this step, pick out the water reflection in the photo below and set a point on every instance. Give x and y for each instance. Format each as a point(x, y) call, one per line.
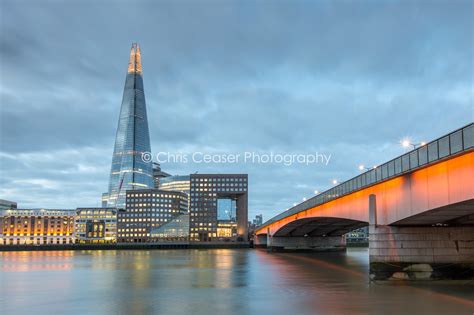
point(212, 282)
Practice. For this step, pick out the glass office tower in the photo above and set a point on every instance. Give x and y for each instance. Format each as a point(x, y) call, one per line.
point(129, 171)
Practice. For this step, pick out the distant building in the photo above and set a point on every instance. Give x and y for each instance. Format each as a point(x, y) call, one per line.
point(158, 175)
point(36, 227)
point(174, 231)
point(258, 220)
point(96, 226)
point(218, 207)
point(147, 210)
point(176, 183)
point(105, 200)
point(6, 204)
point(359, 236)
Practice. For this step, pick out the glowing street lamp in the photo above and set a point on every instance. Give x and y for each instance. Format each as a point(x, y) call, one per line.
point(334, 182)
point(316, 192)
point(362, 167)
point(406, 143)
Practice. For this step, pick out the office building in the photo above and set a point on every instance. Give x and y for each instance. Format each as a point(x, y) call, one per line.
point(36, 227)
point(176, 183)
point(147, 210)
point(96, 226)
point(7, 204)
point(158, 174)
point(358, 236)
point(131, 168)
point(218, 207)
point(258, 220)
point(175, 231)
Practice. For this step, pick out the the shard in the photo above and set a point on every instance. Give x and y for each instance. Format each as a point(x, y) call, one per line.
point(129, 171)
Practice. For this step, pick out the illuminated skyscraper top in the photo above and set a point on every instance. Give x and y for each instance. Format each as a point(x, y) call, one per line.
point(129, 171)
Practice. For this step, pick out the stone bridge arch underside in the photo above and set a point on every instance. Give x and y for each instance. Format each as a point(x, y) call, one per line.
point(319, 227)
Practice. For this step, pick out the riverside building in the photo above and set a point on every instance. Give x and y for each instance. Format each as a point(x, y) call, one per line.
point(218, 207)
point(96, 226)
point(36, 227)
point(145, 211)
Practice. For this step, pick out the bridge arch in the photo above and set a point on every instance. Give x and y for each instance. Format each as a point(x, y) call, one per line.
point(319, 226)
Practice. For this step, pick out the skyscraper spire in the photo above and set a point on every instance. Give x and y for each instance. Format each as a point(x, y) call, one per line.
point(129, 171)
point(135, 63)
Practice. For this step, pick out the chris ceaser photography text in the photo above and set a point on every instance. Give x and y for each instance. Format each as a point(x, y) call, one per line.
point(286, 159)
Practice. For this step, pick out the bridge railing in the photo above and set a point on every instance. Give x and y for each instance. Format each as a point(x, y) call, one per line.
point(453, 143)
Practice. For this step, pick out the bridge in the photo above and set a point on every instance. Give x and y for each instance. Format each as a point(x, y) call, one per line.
point(419, 208)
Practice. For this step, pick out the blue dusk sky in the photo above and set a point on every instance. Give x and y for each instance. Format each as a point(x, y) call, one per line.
point(348, 79)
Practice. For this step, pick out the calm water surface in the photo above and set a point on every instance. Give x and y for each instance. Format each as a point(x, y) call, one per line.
point(212, 282)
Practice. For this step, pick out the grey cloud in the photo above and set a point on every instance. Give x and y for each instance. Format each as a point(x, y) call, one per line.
point(347, 78)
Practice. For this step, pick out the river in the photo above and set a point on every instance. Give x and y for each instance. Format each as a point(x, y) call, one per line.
point(213, 281)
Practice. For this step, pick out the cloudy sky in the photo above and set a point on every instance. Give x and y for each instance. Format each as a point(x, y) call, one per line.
point(346, 78)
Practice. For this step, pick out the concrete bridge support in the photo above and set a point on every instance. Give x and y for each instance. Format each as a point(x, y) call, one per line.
point(260, 241)
point(313, 243)
point(419, 252)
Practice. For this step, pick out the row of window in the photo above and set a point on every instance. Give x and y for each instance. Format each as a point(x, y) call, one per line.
point(155, 195)
point(237, 189)
point(155, 200)
point(145, 220)
point(147, 213)
point(138, 205)
point(220, 185)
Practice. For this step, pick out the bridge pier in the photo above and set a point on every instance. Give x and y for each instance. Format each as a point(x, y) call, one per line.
point(419, 252)
point(313, 243)
point(260, 241)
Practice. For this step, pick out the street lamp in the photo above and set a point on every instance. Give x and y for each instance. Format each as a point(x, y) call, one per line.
point(362, 167)
point(334, 181)
point(406, 143)
point(316, 192)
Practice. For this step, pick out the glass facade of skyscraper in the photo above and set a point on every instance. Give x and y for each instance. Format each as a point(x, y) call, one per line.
point(129, 171)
